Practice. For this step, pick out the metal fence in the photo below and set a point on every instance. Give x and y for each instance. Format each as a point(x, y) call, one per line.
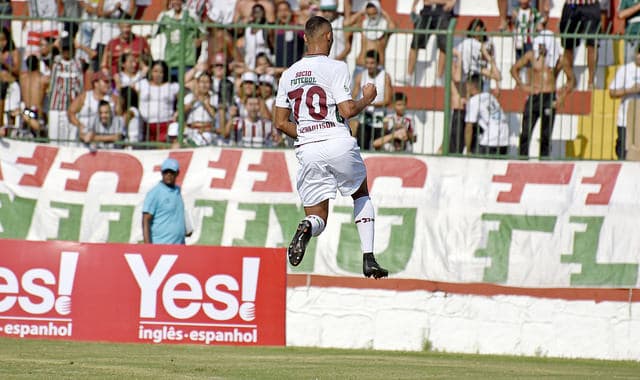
point(169, 110)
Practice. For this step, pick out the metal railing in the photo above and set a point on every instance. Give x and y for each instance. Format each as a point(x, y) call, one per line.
point(588, 115)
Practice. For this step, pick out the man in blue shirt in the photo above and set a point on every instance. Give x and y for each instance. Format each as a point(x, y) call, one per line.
point(163, 219)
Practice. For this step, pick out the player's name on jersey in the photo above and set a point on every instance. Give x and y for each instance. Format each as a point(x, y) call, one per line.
point(313, 127)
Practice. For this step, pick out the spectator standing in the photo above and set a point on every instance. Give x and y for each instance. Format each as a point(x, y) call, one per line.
point(200, 109)
point(266, 86)
point(66, 84)
point(85, 107)
point(544, 65)
point(252, 131)
point(398, 128)
point(475, 54)
point(377, 24)
point(33, 88)
point(163, 214)
point(9, 54)
point(629, 11)
point(288, 44)
point(104, 129)
point(435, 15)
point(244, 12)
point(580, 16)
point(134, 124)
point(485, 114)
point(132, 71)
point(625, 86)
point(525, 20)
point(125, 43)
point(157, 101)
point(106, 27)
point(342, 40)
point(179, 48)
point(256, 39)
point(370, 125)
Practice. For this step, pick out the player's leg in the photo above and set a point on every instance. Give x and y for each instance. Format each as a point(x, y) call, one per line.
point(364, 217)
point(312, 225)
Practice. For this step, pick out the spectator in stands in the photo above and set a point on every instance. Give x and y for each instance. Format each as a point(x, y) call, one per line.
point(629, 11)
point(245, 11)
point(266, 87)
point(476, 54)
point(248, 87)
point(33, 88)
point(264, 66)
point(104, 129)
point(625, 86)
point(134, 124)
point(157, 101)
point(163, 213)
point(288, 44)
point(65, 85)
point(132, 71)
point(179, 47)
point(222, 85)
point(140, 7)
point(377, 22)
point(256, 39)
point(544, 6)
point(220, 42)
point(200, 111)
point(251, 131)
point(435, 15)
point(525, 21)
point(485, 115)
point(126, 43)
point(543, 64)
point(9, 99)
point(580, 16)
point(9, 54)
point(85, 107)
point(221, 11)
point(341, 40)
point(41, 25)
point(306, 9)
point(106, 27)
point(398, 128)
point(370, 125)
point(197, 8)
point(458, 106)
point(85, 32)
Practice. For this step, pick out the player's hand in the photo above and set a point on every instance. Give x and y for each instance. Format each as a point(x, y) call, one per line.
point(369, 92)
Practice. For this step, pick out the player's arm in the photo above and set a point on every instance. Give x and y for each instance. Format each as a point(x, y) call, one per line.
point(146, 227)
point(351, 108)
point(283, 124)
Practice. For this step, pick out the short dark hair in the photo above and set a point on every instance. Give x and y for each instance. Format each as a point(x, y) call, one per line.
point(314, 24)
point(103, 103)
point(373, 54)
point(399, 96)
point(129, 97)
point(33, 63)
point(476, 80)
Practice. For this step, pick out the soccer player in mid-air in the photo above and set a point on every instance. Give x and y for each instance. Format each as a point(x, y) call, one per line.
point(317, 89)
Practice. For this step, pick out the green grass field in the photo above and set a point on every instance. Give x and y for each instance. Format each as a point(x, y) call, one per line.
point(39, 359)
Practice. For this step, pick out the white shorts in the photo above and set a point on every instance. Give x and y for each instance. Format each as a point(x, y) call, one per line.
point(327, 166)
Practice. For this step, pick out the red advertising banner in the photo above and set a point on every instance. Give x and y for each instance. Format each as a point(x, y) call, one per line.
point(142, 293)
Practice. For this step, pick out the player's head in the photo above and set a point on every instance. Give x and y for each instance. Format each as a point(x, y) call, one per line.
point(399, 103)
point(475, 84)
point(318, 35)
point(371, 61)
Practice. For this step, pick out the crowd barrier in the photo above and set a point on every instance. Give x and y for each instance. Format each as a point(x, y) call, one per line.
point(585, 127)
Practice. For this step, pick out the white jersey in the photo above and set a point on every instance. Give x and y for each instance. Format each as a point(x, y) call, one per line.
point(312, 88)
point(627, 76)
point(484, 109)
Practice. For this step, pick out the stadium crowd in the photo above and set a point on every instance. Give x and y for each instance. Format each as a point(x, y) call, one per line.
point(93, 81)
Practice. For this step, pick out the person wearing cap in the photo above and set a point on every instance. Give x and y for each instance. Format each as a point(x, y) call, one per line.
point(85, 107)
point(266, 84)
point(66, 84)
point(163, 213)
point(248, 87)
point(342, 40)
